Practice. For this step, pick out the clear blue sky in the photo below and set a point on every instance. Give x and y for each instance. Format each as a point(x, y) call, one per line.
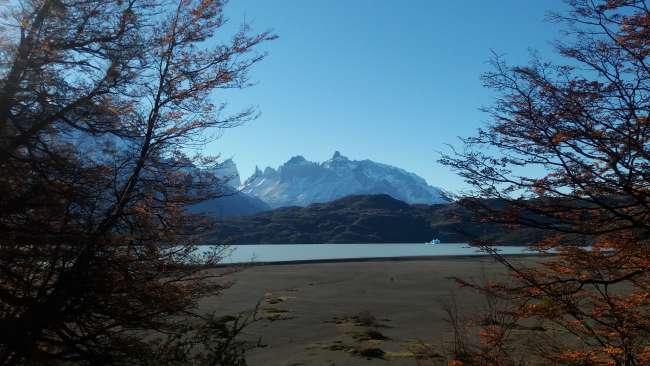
point(390, 81)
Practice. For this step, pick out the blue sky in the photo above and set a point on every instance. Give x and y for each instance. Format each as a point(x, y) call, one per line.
point(390, 81)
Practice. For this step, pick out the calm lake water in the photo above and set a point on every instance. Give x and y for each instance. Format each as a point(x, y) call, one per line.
point(301, 252)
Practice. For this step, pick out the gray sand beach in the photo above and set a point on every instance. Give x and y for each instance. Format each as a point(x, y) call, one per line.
point(319, 313)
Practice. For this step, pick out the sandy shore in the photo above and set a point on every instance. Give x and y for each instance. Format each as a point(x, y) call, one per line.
point(308, 310)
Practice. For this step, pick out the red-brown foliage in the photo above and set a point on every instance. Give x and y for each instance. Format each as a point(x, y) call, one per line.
point(101, 101)
point(568, 150)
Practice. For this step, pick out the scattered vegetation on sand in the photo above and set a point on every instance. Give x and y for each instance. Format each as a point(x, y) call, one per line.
point(339, 347)
point(274, 314)
point(368, 342)
point(362, 319)
point(275, 311)
point(367, 339)
point(369, 352)
point(367, 334)
point(365, 318)
point(421, 350)
point(272, 299)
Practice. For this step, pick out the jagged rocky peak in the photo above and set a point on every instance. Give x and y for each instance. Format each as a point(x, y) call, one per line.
point(295, 168)
point(257, 174)
point(300, 182)
point(227, 170)
point(298, 159)
point(337, 160)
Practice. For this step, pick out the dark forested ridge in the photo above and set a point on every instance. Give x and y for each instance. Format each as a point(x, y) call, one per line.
point(365, 219)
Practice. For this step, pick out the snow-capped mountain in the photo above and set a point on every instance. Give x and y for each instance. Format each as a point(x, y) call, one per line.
point(300, 182)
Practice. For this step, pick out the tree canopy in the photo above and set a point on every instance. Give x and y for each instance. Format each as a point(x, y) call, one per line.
point(104, 105)
point(568, 151)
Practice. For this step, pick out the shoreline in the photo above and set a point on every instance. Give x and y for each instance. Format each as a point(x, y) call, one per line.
point(379, 259)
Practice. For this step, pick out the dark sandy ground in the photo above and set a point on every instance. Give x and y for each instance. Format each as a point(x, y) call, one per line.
point(319, 313)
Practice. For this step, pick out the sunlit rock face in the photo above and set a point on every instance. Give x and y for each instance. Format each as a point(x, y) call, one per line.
point(300, 182)
point(227, 171)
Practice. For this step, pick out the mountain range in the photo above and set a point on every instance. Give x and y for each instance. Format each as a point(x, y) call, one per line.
point(344, 201)
point(300, 182)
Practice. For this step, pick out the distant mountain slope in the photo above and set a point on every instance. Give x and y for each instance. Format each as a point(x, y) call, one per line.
point(365, 219)
point(233, 202)
point(300, 182)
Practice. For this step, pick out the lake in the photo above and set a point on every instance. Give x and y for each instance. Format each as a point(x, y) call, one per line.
point(305, 252)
